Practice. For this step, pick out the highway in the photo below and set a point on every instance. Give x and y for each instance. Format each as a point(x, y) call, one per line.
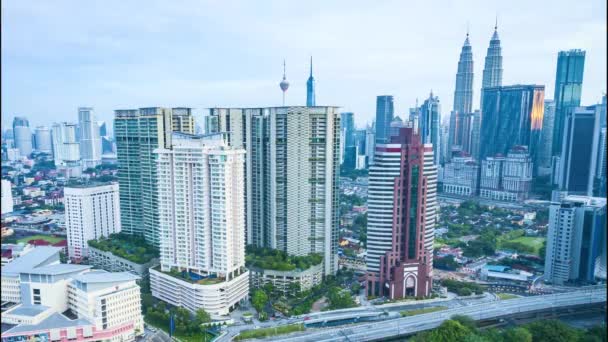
point(361, 311)
point(488, 310)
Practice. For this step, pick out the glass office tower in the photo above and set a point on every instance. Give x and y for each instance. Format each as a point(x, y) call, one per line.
point(568, 87)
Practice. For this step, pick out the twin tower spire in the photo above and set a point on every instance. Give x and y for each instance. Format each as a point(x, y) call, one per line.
point(310, 87)
point(492, 72)
point(463, 93)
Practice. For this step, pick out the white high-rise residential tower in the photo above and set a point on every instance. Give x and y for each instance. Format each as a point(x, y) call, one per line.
point(43, 139)
point(370, 143)
point(576, 239)
point(66, 149)
point(23, 135)
point(138, 132)
point(91, 211)
point(292, 173)
point(201, 194)
point(90, 142)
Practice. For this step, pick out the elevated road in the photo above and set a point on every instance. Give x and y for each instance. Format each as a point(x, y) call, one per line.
point(391, 328)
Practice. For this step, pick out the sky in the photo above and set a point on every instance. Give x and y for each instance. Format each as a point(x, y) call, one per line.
point(62, 54)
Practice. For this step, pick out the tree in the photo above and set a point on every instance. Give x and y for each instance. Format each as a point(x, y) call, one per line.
point(493, 335)
point(485, 244)
point(145, 286)
point(182, 315)
point(477, 338)
point(552, 331)
point(360, 223)
point(339, 299)
point(542, 251)
point(518, 246)
point(447, 263)
point(466, 321)
point(269, 289)
point(457, 286)
point(596, 333)
point(202, 316)
point(147, 302)
point(363, 238)
point(542, 216)
point(448, 331)
point(294, 288)
point(517, 335)
point(259, 299)
point(355, 288)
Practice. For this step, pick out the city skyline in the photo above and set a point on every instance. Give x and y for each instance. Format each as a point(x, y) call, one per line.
point(184, 171)
point(47, 61)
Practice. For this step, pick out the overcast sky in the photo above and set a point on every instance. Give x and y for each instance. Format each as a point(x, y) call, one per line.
point(59, 55)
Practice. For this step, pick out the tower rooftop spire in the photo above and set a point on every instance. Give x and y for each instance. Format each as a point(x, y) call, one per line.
point(310, 88)
point(495, 35)
point(310, 66)
point(284, 85)
point(466, 41)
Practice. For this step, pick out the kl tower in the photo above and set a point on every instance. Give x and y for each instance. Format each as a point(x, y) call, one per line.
point(284, 84)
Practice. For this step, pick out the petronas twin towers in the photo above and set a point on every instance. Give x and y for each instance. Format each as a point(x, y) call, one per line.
point(492, 71)
point(463, 120)
point(463, 94)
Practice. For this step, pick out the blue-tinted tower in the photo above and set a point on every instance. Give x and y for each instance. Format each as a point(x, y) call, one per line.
point(310, 88)
point(568, 87)
point(384, 117)
point(512, 115)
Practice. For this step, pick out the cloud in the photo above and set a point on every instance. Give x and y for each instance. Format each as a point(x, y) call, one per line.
point(111, 54)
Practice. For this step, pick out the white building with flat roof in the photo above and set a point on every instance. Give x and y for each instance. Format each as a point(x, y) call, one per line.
point(90, 141)
point(12, 154)
point(109, 300)
point(43, 139)
point(576, 239)
point(91, 211)
point(39, 257)
point(459, 176)
point(104, 306)
point(7, 196)
point(507, 178)
point(202, 224)
point(12, 251)
point(66, 149)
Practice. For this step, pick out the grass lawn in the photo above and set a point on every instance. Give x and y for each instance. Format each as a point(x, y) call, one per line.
point(504, 296)
point(534, 242)
point(49, 238)
point(261, 333)
point(210, 281)
point(422, 311)
point(438, 244)
point(194, 338)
